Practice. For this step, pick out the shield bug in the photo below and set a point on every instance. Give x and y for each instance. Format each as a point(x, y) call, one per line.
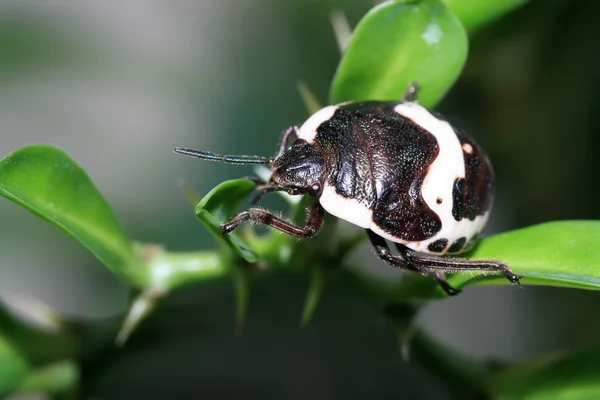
point(393, 168)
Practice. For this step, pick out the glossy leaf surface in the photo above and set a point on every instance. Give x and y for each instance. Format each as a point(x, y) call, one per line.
point(567, 376)
point(13, 366)
point(219, 206)
point(399, 42)
point(559, 253)
point(51, 185)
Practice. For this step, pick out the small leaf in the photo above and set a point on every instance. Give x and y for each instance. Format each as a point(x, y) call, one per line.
point(564, 376)
point(399, 42)
point(13, 366)
point(48, 183)
point(315, 290)
point(220, 206)
point(559, 253)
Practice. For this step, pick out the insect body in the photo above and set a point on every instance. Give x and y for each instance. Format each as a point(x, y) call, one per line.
point(392, 168)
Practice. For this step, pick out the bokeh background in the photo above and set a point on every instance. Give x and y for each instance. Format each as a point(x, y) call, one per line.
point(118, 84)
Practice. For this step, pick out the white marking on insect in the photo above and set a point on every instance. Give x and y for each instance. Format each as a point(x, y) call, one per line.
point(378, 187)
point(350, 210)
point(308, 130)
point(438, 184)
point(447, 166)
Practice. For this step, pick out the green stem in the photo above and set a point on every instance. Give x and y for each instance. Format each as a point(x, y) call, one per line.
point(169, 271)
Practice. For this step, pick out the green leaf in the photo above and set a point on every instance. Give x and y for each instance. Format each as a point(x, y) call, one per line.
point(55, 378)
point(399, 42)
point(565, 376)
point(13, 366)
point(559, 253)
point(220, 206)
point(48, 183)
point(475, 14)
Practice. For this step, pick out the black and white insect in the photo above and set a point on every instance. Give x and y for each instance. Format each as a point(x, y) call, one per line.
point(392, 168)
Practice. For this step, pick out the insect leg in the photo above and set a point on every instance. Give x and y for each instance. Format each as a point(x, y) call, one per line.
point(438, 276)
point(383, 251)
point(449, 289)
point(257, 181)
point(430, 263)
point(289, 134)
point(411, 93)
point(265, 189)
point(316, 215)
point(435, 265)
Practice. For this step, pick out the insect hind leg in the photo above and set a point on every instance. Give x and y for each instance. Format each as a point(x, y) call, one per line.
point(435, 266)
point(449, 289)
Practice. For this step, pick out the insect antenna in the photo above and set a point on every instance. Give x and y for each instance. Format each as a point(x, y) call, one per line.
point(230, 159)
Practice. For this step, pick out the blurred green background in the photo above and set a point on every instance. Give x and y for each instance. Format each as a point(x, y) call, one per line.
point(118, 84)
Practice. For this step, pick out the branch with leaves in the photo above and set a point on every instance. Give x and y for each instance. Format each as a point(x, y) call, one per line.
point(396, 43)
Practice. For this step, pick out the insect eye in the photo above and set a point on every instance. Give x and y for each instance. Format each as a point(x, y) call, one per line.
point(299, 142)
point(314, 189)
